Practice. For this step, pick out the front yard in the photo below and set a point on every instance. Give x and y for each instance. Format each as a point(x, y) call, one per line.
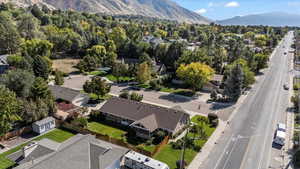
point(170, 155)
point(57, 135)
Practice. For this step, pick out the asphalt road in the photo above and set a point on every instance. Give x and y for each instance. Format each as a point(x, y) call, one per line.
point(247, 141)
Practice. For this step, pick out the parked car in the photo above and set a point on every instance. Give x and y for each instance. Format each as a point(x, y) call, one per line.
point(281, 127)
point(280, 134)
point(286, 87)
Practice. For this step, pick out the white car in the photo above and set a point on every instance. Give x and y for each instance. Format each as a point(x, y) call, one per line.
point(280, 138)
point(281, 127)
point(280, 134)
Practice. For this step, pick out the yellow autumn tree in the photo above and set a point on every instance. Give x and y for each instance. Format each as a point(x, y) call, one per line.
point(195, 74)
point(143, 73)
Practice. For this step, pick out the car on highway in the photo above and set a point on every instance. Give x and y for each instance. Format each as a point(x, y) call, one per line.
point(286, 86)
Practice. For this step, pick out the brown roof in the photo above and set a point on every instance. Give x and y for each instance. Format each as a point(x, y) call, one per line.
point(150, 116)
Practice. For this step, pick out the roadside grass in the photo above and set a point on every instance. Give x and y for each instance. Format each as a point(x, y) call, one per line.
point(170, 89)
point(169, 155)
point(120, 79)
point(106, 130)
point(97, 73)
point(57, 135)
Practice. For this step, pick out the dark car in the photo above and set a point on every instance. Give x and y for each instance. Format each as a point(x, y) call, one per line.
point(286, 87)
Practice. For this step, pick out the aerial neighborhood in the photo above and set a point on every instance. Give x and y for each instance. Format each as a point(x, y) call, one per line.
point(89, 90)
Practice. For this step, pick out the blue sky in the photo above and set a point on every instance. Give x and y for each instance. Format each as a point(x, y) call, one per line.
point(221, 9)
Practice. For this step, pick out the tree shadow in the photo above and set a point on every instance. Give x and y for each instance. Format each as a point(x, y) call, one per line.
point(176, 98)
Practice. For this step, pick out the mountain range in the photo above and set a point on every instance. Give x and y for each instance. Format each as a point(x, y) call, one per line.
point(163, 9)
point(269, 19)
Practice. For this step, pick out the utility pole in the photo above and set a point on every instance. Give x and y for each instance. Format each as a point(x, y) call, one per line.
point(182, 163)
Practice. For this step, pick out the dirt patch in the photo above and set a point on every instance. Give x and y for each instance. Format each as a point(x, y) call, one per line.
point(65, 65)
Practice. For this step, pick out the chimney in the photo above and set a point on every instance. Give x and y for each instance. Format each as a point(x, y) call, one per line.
point(95, 154)
point(28, 149)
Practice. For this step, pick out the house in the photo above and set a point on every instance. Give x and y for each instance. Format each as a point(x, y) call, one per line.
point(144, 119)
point(3, 63)
point(68, 101)
point(43, 125)
point(214, 83)
point(78, 152)
point(69, 95)
point(136, 160)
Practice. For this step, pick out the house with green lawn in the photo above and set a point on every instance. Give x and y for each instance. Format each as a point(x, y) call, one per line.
point(145, 119)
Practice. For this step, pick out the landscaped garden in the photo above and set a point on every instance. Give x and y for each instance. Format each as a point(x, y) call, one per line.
point(126, 135)
point(201, 129)
point(57, 135)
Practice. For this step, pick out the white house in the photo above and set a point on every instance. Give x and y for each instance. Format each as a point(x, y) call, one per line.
point(44, 125)
point(136, 160)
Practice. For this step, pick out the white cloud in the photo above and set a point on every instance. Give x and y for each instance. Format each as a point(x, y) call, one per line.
point(294, 4)
point(201, 11)
point(232, 4)
point(211, 4)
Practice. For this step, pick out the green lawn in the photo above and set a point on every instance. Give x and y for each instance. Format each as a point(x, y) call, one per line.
point(122, 78)
point(149, 148)
point(57, 135)
point(97, 73)
point(170, 155)
point(106, 130)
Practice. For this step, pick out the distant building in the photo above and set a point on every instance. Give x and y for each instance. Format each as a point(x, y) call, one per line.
point(3, 63)
point(78, 152)
point(136, 160)
point(44, 125)
point(145, 119)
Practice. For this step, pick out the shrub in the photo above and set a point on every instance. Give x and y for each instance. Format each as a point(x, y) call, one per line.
point(203, 119)
point(124, 95)
point(177, 145)
point(80, 122)
point(154, 85)
point(213, 119)
point(136, 97)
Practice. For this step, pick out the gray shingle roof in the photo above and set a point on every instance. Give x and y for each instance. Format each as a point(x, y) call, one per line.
point(64, 93)
point(44, 121)
point(161, 117)
point(75, 154)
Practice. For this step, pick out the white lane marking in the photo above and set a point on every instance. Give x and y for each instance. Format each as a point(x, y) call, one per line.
point(223, 153)
point(234, 144)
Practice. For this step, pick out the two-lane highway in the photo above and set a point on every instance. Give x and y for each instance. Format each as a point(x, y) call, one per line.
point(247, 141)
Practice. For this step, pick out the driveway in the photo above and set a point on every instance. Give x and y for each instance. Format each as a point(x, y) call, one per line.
point(192, 105)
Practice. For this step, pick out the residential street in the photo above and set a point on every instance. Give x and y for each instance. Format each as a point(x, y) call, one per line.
point(247, 141)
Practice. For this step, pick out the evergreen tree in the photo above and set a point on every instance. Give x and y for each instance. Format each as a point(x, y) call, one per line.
point(234, 82)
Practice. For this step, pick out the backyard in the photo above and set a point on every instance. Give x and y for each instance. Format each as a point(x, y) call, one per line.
point(170, 155)
point(57, 135)
point(118, 133)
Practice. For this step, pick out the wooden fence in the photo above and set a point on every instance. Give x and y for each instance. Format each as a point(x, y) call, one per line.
point(118, 142)
point(16, 133)
point(160, 146)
